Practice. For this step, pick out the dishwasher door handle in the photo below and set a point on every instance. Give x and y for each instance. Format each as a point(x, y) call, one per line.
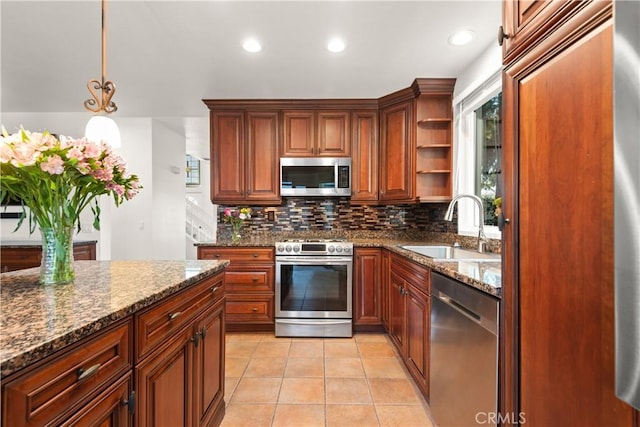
point(459, 307)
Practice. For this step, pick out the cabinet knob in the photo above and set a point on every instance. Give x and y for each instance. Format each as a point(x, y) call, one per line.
point(255, 255)
point(130, 402)
point(254, 309)
point(502, 35)
point(502, 221)
point(196, 339)
point(203, 332)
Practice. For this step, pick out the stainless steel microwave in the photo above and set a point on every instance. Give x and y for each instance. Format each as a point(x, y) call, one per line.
point(315, 176)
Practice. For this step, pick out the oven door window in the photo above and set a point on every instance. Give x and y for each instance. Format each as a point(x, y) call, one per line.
point(314, 288)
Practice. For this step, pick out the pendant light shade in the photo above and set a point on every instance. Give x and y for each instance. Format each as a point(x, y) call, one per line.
point(103, 128)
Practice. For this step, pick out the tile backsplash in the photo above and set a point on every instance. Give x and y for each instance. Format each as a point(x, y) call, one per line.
point(338, 214)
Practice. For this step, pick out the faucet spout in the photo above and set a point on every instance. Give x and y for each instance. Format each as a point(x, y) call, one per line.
point(448, 216)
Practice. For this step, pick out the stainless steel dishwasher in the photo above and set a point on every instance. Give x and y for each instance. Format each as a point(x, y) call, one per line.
point(464, 354)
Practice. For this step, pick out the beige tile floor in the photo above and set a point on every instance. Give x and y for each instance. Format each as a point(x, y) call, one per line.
point(327, 382)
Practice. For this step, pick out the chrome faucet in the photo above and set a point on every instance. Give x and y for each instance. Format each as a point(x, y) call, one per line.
point(482, 239)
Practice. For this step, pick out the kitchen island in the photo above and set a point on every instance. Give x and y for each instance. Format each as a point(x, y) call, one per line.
point(95, 349)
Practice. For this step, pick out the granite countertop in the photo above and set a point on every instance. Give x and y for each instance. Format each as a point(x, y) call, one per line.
point(38, 320)
point(485, 276)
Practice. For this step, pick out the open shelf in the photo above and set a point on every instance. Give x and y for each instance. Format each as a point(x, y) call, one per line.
point(434, 149)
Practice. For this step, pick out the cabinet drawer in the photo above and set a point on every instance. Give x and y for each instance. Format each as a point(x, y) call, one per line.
point(249, 279)
point(250, 309)
point(161, 321)
point(416, 274)
point(236, 254)
point(61, 383)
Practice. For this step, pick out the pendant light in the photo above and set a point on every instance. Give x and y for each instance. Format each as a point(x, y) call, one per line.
point(101, 127)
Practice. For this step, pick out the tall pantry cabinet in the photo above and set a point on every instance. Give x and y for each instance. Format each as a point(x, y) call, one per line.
point(558, 314)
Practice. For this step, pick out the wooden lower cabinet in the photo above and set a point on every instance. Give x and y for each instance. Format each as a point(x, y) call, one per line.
point(249, 284)
point(15, 257)
point(367, 289)
point(73, 382)
point(111, 408)
point(182, 381)
point(409, 317)
point(110, 379)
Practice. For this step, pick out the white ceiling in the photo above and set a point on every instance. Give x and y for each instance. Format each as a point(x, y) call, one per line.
point(166, 56)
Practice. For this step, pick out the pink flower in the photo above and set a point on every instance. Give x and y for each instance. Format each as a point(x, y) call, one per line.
point(24, 154)
point(227, 212)
point(75, 153)
point(103, 174)
point(92, 151)
point(6, 153)
point(54, 165)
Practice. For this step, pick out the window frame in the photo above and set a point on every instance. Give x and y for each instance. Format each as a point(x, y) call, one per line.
point(465, 153)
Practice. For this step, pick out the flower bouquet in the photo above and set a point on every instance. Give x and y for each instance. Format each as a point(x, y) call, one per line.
point(57, 179)
point(236, 218)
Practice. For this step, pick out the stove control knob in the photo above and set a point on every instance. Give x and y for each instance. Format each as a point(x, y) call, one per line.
point(339, 249)
point(280, 248)
point(330, 248)
point(288, 248)
point(347, 249)
point(296, 248)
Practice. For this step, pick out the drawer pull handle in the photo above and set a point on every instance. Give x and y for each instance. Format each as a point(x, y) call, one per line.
point(255, 279)
point(175, 315)
point(215, 289)
point(255, 255)
point(83, 375)
point(130, 403)
point(254, 309)
point(217, 255)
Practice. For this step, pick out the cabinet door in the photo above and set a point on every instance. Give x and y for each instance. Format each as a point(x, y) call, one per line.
point(385, 280)
point(418, 336)
point(299, 133)
point(565, 326)
point(164, 384)
point(397, 311)
point(367, 281)
point(396, 153)
point(262, 175)
point(364, 157)
point(227, 156)
point(208, 374)
point(333, 134)
point(110, 408)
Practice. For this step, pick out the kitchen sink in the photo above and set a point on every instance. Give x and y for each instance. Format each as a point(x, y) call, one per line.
point(451, 253)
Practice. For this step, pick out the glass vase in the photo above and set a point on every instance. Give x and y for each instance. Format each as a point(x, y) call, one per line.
point(57, 256)
point(235, 232)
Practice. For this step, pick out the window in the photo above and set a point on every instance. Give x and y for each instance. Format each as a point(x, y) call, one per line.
point(192, 170)
point(478, 155)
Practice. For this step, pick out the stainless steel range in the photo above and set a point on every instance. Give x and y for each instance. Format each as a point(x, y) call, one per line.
point(314, 288)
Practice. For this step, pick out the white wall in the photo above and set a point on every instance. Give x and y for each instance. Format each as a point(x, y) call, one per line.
point(168, 225)
point(487, 63)
point(151, 226)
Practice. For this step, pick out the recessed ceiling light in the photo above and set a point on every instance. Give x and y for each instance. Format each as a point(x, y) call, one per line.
point(461, 38)
point(252, 45)
point(335, 45)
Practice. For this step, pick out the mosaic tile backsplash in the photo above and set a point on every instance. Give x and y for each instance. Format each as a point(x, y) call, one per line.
point(337, 214)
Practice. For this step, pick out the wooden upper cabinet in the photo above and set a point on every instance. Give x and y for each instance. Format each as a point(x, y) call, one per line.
point(364, 156)
point(311, 133)
point(244, 156)
point(333, 134)
point(227, 156)
point(397, 160)
point(262, 156)
point(527, 21)
point(299, 133)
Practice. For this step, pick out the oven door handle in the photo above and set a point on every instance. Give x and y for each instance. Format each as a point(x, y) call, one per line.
point(314, 322)
point(313, 260)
